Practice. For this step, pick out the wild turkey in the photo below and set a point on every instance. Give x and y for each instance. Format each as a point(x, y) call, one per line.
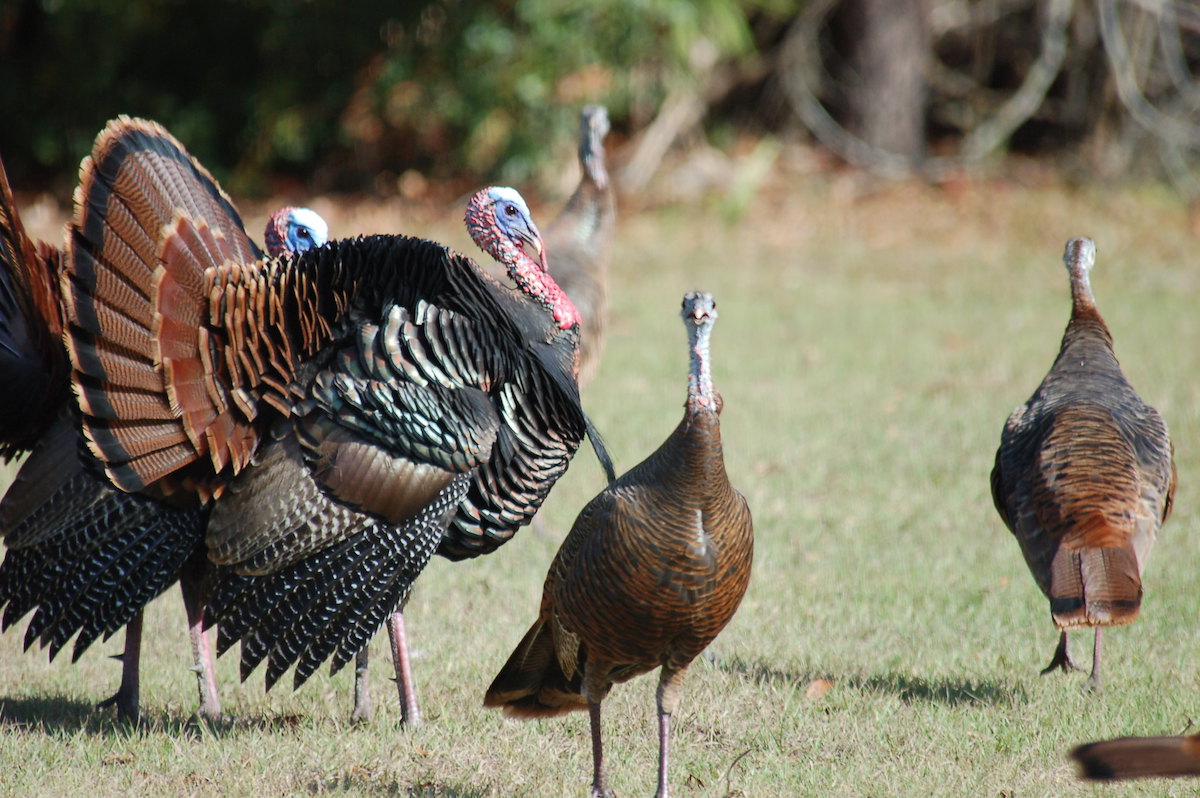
point(653, 568)
point(1139, 757)
point(86, 556)
point(338, 406)
point(1085, 476)
point(580, 239)
point(580, 242)
point(261, 613)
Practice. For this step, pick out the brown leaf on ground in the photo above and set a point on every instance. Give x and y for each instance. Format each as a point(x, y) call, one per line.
point(817, 688)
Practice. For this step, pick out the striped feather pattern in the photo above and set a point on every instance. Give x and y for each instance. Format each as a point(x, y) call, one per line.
point(1085, 475)
point(1084, 478)
point(275, 514)
point(85, 556)
point(386, 376)
point(330, 603)
point(449, 374)
point(149, 220)
point(423, 370)
point(653, 568)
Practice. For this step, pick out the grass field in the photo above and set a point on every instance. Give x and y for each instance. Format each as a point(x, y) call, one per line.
point(871, 343)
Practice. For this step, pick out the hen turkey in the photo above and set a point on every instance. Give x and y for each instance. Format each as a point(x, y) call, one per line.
point(1085, 477)
point(652, 570)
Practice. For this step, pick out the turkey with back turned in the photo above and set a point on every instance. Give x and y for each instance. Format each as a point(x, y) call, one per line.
point(1085, 477)
point(85, 556)
point(346, 410)
point(580, 240)
point(652, 570)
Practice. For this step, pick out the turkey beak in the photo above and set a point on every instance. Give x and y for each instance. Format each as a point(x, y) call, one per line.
point(532, 239)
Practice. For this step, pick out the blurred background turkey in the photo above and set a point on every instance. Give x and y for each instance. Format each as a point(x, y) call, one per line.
point(580, 240)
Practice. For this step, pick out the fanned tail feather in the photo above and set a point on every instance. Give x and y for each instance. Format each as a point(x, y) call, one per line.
point(149, 221)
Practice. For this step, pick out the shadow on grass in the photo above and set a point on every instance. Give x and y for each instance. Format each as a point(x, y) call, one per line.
point(57, 715)
point(909, 689)
point(949, 691)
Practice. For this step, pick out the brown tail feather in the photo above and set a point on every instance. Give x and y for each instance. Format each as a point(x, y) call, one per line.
point(149, 222)
point(1139, 757)
point(1094, 587)
point(532, 683)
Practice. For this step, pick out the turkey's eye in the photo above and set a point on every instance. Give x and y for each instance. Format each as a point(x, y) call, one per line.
point(303, 232)
point(511, 210)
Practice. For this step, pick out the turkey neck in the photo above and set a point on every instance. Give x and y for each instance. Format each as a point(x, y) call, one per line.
point(700, 430)
point(1087, 339)
point(591, 148)
point(1086, 366)
point(701, 394)
point(536, 282)
point(592, 208)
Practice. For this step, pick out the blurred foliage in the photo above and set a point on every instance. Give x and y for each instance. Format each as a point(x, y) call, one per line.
point(343, 92)
point(246, 84)
point(384, 96)
point(498, 76)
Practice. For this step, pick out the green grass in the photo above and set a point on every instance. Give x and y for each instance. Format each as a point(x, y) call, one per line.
point(869, 349)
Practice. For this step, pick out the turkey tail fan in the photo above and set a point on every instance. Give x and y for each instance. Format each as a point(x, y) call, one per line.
point(1091, 587)
point(1139, 757)
point(148, 221)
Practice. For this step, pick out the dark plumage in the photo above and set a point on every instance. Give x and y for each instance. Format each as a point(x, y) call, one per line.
point(652, 570)
point(1139, 757)
point(31, 357)
point(339, 408)
point(1085, 476)
point(85, 556)
point(580, 241)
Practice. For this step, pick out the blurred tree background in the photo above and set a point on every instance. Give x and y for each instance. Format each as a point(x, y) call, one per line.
point(355, 96)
